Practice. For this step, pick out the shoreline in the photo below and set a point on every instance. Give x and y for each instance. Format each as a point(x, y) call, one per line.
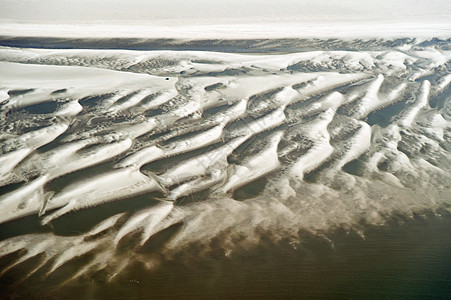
point(406, 258)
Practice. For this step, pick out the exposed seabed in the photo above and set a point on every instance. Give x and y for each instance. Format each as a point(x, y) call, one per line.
point(287, 169)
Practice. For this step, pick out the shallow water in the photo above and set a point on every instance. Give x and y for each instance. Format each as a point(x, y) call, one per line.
point(406, 259)
point(398, 261)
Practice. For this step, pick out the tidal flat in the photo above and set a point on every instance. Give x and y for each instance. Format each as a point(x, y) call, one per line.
point(293, 168)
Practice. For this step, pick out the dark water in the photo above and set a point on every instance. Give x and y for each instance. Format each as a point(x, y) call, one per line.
point(405, 259)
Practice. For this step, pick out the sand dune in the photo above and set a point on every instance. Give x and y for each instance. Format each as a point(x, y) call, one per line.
point(215, 141)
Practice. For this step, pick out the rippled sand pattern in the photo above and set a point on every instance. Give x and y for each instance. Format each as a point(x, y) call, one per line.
point(205, 144)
